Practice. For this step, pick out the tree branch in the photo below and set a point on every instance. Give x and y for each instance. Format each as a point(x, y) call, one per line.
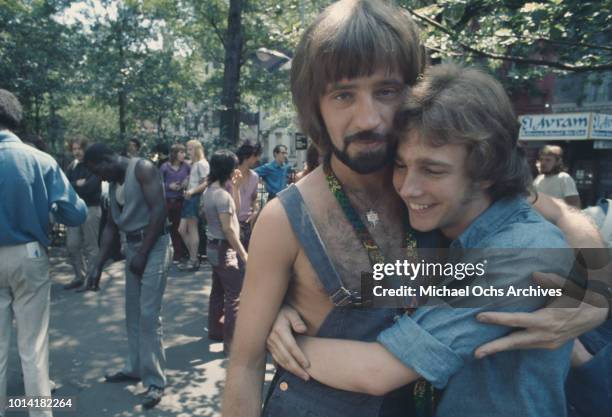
point(218, 32)
point(512, 58)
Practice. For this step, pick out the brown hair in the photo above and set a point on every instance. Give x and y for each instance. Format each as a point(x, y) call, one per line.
point(174, 151)
point(349, 39)
point(82, 141)
point(464, 105)
point(557, 152)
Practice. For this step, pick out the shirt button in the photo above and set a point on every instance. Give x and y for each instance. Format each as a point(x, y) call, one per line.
point(396, 317)
point(284, 386)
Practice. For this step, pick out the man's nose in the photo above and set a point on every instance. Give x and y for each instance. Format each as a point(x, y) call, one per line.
point(367, 114)
point(411, 186)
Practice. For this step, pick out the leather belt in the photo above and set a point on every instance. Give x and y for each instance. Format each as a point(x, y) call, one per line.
point(138, 235)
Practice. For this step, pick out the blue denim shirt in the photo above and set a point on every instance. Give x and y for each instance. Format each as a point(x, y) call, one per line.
point(274, 176)
point(32, 185)
point(439, 342)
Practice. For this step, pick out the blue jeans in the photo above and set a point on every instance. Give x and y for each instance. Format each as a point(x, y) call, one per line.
point(143, 303)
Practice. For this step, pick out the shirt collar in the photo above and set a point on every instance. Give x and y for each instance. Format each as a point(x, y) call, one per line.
point(8, 136)
point(489, 221)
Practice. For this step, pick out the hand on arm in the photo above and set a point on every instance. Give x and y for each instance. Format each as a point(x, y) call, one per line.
point(282, 345)
point(551, 327)
point(266, 281)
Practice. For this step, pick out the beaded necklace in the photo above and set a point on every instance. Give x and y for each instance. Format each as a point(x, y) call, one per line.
point(424, 395)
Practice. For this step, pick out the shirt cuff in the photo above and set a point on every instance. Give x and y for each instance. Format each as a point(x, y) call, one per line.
point(419, 350)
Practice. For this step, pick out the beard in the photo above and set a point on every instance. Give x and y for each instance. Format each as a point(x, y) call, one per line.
point(366, 162)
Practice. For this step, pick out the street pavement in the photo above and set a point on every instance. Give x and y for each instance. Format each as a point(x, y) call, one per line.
point(87, 339)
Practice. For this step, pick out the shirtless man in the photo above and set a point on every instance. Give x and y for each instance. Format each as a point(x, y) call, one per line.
point(349, 76)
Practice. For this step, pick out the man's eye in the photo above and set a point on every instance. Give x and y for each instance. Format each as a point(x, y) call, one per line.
point(389, 92)
point(399, 165)
point(430, 171)
point(342, 96)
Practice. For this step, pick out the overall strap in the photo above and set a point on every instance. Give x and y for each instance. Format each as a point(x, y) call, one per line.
point(310, 240)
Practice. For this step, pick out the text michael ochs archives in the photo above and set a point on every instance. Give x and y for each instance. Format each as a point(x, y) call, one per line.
point(449, 273)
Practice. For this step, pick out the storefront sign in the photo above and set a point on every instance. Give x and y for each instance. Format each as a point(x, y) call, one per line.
point(562, 126)
point(602, 126)
point(565, 126)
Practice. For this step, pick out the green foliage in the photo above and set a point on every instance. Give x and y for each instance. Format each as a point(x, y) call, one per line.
point(517, 38)
point(150, 67)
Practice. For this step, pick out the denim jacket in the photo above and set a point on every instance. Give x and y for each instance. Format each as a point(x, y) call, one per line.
point(439, 341)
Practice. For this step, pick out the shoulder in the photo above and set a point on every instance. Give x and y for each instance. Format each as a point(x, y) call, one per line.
point(525, 229)
point(145, 169)
point(565, 177)
point(274, 217)
point(253, 174)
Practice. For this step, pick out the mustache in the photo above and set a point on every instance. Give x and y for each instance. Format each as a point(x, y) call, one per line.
point(365, 135)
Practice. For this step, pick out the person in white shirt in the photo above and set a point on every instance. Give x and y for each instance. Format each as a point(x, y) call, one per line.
point(553, 180)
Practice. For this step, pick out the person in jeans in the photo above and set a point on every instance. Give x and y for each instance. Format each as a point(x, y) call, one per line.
point(224, 248)
point(33, 187)
point(188, 228)
point(452, 121)
point(138, 211)
point(82, 241)
point(175, 174)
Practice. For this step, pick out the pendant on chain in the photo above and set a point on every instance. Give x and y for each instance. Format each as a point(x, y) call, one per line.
point(372, 217)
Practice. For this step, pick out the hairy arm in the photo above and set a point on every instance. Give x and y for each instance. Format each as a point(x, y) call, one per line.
point(267, 278)
point(578, 229)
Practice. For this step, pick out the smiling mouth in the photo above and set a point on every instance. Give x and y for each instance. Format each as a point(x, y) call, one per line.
point(419, 207)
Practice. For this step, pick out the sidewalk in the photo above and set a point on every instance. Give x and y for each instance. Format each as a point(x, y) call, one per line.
point(87, 339)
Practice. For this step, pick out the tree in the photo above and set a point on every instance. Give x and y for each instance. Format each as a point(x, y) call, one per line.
point(561, 35)
point(38, 56)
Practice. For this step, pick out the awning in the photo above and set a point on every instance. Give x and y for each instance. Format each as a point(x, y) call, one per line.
point(566, 126)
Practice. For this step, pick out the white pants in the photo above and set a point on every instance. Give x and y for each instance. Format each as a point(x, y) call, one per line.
point(25, 296)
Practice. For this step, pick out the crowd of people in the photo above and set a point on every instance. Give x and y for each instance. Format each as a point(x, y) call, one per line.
point(412, 157)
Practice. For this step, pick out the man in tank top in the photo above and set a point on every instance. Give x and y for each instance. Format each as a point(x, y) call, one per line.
point(138, 211)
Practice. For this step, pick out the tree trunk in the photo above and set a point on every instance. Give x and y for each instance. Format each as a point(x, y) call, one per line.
point(122, 98)
point(230, 114)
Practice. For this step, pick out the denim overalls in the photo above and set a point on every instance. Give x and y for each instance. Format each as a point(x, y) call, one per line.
point(291, 396)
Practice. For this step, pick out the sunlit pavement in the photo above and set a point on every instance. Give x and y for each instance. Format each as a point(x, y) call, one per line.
point(87, 339)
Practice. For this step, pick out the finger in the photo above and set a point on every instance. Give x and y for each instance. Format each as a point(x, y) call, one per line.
point(517, 340)
point(531, 320)
point(285, 359)
point(554, 281)
point(297, 324)
point(282, 337)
